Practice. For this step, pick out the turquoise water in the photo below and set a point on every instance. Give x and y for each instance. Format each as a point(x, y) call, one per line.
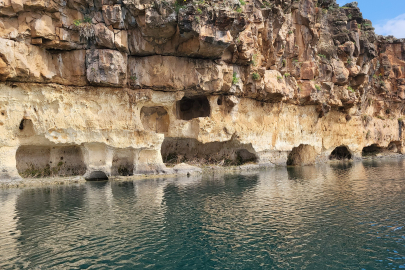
point(343, 216)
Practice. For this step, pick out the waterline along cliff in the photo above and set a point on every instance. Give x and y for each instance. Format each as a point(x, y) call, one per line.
point(108, 87)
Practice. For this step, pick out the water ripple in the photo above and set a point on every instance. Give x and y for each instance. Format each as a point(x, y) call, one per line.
point(342, 216)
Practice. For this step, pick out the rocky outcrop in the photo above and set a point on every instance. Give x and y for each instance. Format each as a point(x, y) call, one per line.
point(100, 88)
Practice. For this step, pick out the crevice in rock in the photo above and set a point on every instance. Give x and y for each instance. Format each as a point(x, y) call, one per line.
point(340, 153)
point(177, 150)
point(47, 161)
point(193, 107)
point(304, 154)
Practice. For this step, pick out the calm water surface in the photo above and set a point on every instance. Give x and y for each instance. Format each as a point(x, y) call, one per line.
point(326, 217)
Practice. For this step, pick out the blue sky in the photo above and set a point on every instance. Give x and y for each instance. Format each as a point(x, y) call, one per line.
point(388, 16)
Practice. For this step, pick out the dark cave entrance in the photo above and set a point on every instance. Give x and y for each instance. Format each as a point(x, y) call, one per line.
point(371, 150)
point(97, 176)
point(340, 153)
point(193, 107)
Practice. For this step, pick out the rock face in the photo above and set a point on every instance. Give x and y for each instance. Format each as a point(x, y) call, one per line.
point(119, 87)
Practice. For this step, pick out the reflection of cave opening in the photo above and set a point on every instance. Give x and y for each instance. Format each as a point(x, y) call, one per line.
point(177, 150)
point(155, 119)
point(193, 107)
point(45, 161)
point(123, 162)
point(304, 154)
point(97, 176)
point(340, 153)
point(371, 150)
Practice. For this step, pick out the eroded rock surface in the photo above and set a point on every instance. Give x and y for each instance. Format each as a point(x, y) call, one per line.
point(101, 88)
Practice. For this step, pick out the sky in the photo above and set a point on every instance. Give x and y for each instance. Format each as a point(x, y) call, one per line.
point(387, 16)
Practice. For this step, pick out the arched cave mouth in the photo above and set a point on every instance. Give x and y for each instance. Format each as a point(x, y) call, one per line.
point(123, 162)
point(228, 153)
point(375, 149)
point(97, 176)
point(48, 161)
point(304, 154)
point(371, 150)
point(193, 107)
point(340, 153)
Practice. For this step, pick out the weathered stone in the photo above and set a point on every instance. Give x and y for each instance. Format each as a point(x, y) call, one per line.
point(340, 73)
point(104, 37)
point(121, 41)
point(18, 5)
point(43, 27)
point(113, 16)
point(106, 68)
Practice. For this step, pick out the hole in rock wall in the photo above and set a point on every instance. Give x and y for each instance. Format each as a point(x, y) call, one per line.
point(340, 153)
point(123, 162)
point(219, 101)
point(26, 128)
point(45, 161)
point(374, 149)
point(193, 107)
point(395, 146)
point(155, 119)
point(371, 150)
point(97, 176)
point(304, 154)
point(177, 150)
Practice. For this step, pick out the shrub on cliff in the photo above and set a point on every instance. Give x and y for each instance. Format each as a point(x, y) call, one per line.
point(235, 79)
point(85, 27)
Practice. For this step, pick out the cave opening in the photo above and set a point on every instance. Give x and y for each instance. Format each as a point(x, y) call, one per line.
point(193, 107)
point(97, 176)
point(371, 150)
point(123, 162)
point(395, 146)
point(340, 153)
point(46, 161)
point(228, 153)
point(304, 154)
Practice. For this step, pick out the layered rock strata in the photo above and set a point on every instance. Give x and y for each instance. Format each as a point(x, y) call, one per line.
point(100, 88)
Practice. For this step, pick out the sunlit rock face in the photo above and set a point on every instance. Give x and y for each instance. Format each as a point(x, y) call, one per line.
point(109, 88)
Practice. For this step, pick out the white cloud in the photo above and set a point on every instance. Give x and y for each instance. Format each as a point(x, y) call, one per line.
point(395, 27)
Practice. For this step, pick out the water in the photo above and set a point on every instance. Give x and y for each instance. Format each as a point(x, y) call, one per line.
point(343, 216)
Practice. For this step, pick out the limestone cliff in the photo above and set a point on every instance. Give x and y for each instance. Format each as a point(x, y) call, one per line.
point(116, 87)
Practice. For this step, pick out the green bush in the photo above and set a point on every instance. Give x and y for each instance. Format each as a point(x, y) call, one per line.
point(235, 79)
point(256, 76)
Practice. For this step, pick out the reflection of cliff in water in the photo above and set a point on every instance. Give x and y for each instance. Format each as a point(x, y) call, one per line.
point(210, 221)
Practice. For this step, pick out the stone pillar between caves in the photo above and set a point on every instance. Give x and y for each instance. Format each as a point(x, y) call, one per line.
point(8, 163)
point(149, 161)
point(98, 159)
